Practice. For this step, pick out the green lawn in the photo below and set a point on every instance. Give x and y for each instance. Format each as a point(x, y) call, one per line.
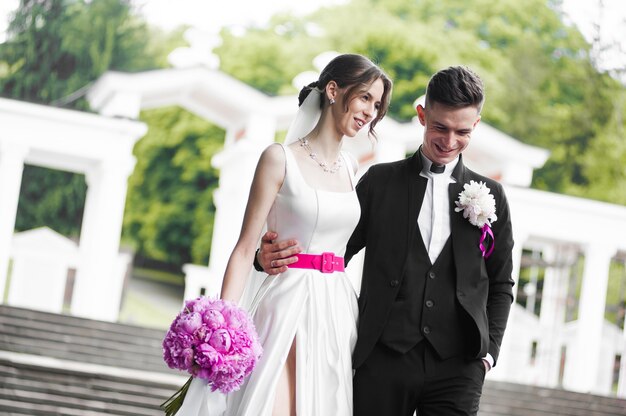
point(137, 310)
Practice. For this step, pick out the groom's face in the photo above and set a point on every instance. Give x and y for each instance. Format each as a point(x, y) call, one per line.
point(447, 130)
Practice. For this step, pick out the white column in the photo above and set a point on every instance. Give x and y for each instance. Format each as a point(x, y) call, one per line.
point(520, 237)
point(517, 173)
point(125, 104)
point(508, 362)
point(198, 278)
point(11, 168)
point(621, 383)
point(583, 355)
point(552, 314)
point(237, 163)
point(390, 150)
point(98, 284)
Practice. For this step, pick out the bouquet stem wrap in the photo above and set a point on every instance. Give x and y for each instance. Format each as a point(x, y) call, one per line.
point(174, 403)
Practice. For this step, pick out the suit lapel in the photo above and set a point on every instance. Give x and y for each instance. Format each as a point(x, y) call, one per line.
point(416, 189)
point(462, 236)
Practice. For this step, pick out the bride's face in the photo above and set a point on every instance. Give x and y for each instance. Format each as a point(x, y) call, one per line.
point(362, 109)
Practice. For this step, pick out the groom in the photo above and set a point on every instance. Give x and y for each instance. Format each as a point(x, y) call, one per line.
point(435, 297)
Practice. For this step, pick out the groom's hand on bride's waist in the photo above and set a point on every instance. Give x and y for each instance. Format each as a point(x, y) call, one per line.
point(273, 256)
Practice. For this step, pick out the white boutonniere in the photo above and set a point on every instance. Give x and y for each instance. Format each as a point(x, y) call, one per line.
point(479, 207)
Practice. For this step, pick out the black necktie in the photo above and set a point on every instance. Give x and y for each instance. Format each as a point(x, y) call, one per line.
point(437, 168)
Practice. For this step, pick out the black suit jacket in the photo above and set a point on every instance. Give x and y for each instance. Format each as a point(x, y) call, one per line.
point(391, 196)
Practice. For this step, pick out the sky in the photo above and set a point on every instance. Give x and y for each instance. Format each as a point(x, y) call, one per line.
point(210, 17)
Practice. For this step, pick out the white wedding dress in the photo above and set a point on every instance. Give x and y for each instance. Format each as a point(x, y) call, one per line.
point(318, 310)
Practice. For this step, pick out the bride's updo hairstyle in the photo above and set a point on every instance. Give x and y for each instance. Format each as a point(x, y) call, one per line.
point(356, 74)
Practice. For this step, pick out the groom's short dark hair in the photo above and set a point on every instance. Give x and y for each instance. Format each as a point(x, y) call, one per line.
point(456, 86)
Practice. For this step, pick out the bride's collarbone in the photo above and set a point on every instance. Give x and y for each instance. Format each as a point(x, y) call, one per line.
point(318, 178)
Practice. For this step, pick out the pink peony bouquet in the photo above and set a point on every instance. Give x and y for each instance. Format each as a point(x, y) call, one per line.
point(212, 339)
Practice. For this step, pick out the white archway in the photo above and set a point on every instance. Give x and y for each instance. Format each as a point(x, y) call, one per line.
point(96, 146)
point(249, 117)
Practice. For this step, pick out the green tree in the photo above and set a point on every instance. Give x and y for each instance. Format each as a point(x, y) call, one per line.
point(268, 59)
point(541, 82)
point(43, 201)
point(169, 209)
point(542, 86)
point(55, 50)
point(57, 47)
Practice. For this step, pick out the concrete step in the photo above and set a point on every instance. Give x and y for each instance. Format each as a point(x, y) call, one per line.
point(510, 399)
point(38, 391)
point(83, 340)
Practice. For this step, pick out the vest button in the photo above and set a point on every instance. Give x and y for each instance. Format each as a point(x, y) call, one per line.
point(394, 283)
point(431, 275)
point(426, 330)
point(429, 303)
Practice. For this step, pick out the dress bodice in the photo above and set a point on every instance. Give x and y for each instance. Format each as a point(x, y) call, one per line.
point(320, 220)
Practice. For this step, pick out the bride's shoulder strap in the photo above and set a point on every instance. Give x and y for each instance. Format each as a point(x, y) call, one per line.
point(281, 156)
point(275, 156)
point(285, 152)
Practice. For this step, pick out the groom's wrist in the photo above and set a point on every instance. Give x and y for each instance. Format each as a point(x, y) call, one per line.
point(257, 265)
point(489, 361)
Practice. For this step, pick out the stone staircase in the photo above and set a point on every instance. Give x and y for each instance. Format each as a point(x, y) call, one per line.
point(83, 340)
point(508, 399)
point(36, 390)
point(54, 364)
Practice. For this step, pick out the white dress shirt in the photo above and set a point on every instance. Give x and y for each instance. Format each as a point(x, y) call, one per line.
point(434, 216)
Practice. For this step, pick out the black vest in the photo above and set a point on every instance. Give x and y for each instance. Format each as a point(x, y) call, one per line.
point(426, 306)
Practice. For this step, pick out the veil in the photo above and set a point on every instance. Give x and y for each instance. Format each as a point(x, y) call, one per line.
point(305, 120)
point(307, 116)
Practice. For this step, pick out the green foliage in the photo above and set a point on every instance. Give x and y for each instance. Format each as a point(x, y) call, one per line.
point(43, 203)
point(542, 87)
point(603, 163)
point(169, 210)
point(160, 276)
point(390, 42)
point(260, 65)
point(36, 64)
point(267, 60)
point(55, 49)
point(138, 308)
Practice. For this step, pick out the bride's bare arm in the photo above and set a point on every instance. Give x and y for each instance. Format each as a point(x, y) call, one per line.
point(268, 178)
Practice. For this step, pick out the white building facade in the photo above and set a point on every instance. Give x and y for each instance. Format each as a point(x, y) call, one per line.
point(101, 149)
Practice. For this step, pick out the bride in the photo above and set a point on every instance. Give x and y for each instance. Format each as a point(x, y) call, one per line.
point(306, 317)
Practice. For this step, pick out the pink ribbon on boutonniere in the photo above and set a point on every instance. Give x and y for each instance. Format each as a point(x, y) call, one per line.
point(486, 230)
point(478, 205)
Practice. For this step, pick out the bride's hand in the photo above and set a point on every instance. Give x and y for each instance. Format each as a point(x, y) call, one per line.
point(274, 256)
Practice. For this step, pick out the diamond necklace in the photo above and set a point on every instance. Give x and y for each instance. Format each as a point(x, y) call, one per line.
point(304, 142)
